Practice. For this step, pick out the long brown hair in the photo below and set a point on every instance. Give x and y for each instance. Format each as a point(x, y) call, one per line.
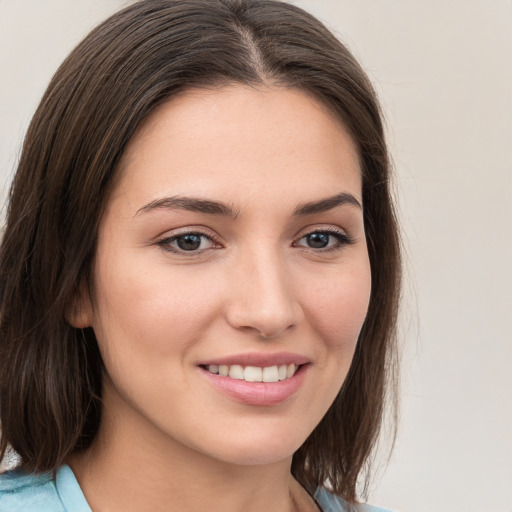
point(51, 373)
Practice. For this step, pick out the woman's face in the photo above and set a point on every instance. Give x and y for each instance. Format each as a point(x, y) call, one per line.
point(233, 243)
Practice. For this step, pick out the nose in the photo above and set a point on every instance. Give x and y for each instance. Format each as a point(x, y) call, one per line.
point(262, 300)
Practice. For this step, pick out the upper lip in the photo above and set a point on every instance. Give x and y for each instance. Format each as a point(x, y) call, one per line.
point(259, 359)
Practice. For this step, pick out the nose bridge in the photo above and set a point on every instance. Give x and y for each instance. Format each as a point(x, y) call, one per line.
point(263, 298)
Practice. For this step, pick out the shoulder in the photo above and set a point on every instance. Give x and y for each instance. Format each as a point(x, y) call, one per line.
point(329, 502)
point(23, 492)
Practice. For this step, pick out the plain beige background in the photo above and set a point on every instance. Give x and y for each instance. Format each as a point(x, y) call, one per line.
point(443, 70)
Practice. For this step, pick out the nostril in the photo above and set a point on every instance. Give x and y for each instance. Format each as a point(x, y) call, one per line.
point(263, 323)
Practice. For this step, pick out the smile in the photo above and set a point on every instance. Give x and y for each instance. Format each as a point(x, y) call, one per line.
point(257, 379)
point(274, 373)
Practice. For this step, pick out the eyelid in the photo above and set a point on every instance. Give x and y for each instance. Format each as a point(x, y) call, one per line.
point(322, 228)
point(184, 230)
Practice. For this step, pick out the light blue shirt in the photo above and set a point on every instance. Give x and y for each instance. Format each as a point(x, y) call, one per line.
point(21, 492)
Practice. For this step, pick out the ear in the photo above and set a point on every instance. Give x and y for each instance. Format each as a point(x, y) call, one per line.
point(79, 313)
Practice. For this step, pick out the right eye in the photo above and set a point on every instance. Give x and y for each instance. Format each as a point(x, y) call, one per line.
point(191, 242)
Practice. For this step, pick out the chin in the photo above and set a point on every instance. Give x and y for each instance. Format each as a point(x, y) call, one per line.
point(257, 449)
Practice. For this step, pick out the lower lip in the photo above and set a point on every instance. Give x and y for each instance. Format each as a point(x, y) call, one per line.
point(257, 393)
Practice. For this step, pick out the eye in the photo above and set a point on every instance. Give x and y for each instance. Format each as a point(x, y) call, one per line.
point(324, 240)
point(187, 242)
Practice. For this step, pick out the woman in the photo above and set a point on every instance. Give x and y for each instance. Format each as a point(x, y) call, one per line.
point(200, 269)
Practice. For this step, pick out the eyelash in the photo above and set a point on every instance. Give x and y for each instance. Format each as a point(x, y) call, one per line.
point(342, 240)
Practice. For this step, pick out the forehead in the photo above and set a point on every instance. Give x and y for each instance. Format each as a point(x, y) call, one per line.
point(238, 138)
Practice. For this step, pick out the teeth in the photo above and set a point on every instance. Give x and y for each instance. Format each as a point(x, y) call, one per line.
point(254, 373)
point(270, 374)
point(236, 372)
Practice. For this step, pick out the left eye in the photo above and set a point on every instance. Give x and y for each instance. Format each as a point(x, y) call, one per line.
point(187, 242)
point(323, 240)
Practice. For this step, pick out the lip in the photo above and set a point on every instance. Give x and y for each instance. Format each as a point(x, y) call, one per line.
point(257, 393)
point(259, 359)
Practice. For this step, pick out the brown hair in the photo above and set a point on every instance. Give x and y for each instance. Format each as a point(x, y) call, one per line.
point(51, 373)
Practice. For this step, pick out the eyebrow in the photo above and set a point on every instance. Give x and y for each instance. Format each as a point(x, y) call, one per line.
point(191, 204)
point(327, 204)
point(210, 207)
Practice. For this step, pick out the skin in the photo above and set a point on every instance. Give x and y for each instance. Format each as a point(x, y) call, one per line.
point(254, 285)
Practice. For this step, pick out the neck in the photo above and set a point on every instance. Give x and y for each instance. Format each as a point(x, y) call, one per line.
point(157, 474)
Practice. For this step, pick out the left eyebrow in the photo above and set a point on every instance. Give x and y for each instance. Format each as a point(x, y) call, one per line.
point(327, 204)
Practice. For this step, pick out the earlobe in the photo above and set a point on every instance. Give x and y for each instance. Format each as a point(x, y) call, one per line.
point(79, 313)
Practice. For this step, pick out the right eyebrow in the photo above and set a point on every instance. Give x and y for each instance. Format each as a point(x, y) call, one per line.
point(192, 204)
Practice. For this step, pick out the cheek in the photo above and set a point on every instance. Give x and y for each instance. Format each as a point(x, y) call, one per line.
point(151, 313)
point(338, 307)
